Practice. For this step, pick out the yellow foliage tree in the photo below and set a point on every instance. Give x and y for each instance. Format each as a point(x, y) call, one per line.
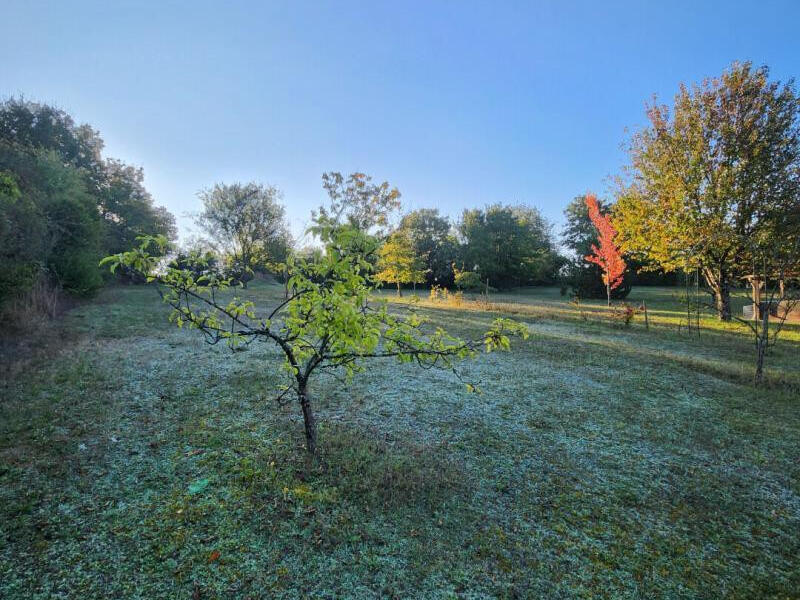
point(397, 262)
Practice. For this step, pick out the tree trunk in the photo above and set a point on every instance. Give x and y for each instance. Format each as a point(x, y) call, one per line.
point(720, 286)
point(608, 292)
point(399, 291)
point(762, 340)
point(309, 421)
point(724, 299)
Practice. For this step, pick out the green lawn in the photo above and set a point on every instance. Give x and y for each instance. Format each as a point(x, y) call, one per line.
point(599, 461)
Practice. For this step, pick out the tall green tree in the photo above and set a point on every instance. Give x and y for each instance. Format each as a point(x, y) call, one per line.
point(508, 245)
point(358, 202)
point(246, 223)
point(29, 126)
point(433, 241)
point(128, 208)
point(714, 177)
point(73, 206)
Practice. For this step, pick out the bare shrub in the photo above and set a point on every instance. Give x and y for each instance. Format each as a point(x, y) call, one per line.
point(30, 307)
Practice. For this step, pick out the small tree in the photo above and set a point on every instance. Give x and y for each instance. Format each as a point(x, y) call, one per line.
point(468, 281)
point(328, 320)
point(607, 256)
point(578, 235)
point(398, 262)
point(773, 265)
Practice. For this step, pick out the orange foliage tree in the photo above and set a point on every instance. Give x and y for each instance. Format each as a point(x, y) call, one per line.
point(608, 256)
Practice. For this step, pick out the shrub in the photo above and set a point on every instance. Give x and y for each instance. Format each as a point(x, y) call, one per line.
point(587, 282)
point(468, 280)
point(625, 313)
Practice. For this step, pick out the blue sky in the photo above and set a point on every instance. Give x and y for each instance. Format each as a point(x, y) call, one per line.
point(459, 104)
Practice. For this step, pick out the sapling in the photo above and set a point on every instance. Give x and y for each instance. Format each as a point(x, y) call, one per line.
point(329, 320)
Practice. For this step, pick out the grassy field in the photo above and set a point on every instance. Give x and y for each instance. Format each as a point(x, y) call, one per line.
point(599, 461)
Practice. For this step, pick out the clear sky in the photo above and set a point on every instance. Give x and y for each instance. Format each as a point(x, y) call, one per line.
point(458, 104)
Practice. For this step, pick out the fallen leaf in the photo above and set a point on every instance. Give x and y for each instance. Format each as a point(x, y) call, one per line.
point(213, 556)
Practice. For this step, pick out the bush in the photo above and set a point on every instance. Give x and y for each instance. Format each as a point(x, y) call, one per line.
point(77, 271)
point(587, 282)
point(625, 313)
point(470, 281)
point(49, 223)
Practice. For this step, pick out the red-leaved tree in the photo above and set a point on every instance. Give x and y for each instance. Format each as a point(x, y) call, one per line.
point(607, 256)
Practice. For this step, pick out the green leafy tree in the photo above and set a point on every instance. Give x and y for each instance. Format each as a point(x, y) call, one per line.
point(433, 241)
point(329, 321)
point(72, 206)
point(246, 224)
point(398, 263)
point(469, 281)
point(128, 208)
point(33, 126)
point(718, 172)
point(52, 221)
point(357, 202)
point(21, 234)
point(509, 245)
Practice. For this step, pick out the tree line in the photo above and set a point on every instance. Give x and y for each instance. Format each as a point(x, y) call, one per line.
point(712, 187)
point(63, 206)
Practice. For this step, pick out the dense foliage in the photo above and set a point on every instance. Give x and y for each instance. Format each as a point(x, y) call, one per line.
point(399, 263)
point(508, 246)
point(52, 226)
point(62, 206)
point(245, 224)
point(434, 242)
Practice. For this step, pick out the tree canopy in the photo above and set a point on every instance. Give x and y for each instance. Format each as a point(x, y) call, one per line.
point(358, 202)
point(128, 208)
point(65, 206)
point(398, 261)
point(508, 245)
point(715, 178)
point(246, 224)
point(432, 238)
